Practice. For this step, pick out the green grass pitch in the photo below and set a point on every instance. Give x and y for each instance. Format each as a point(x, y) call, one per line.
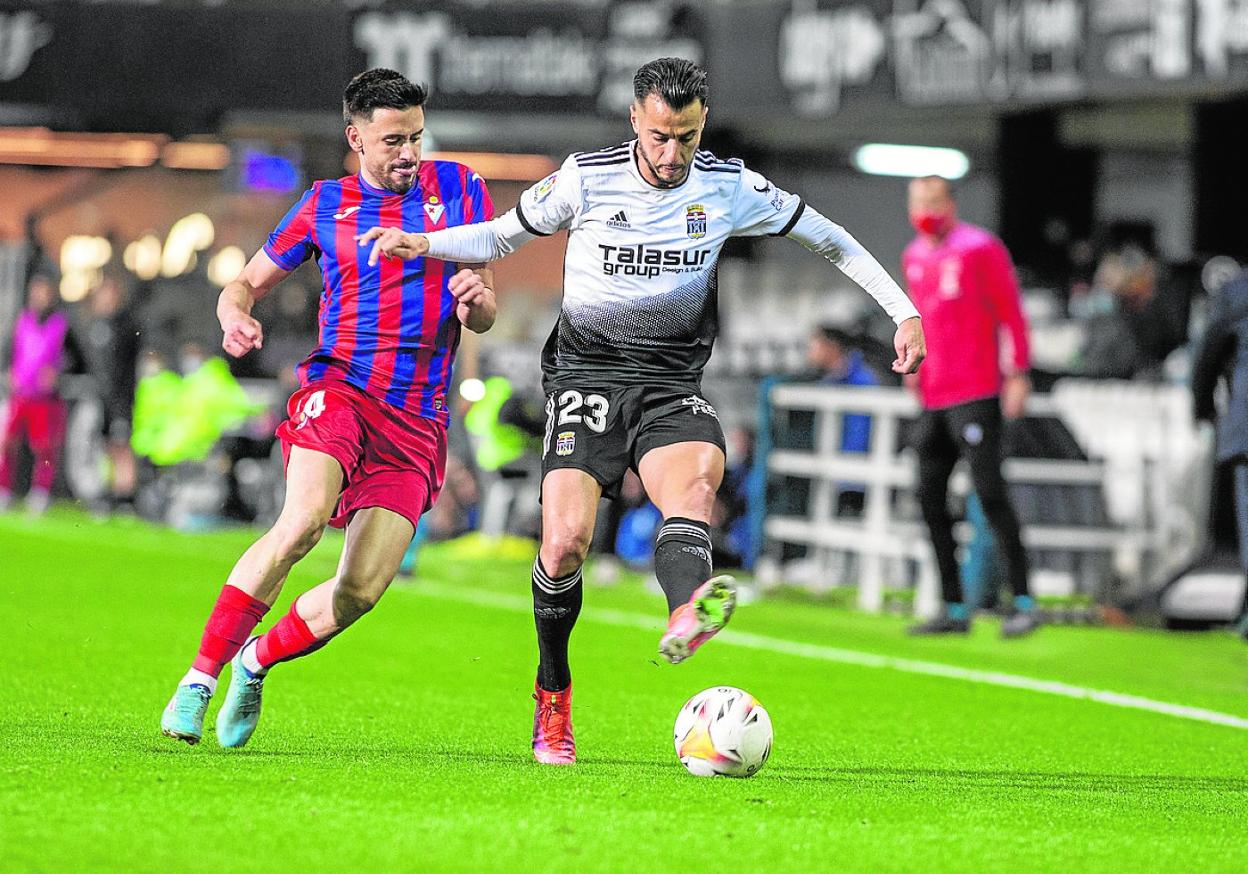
point(404, 744)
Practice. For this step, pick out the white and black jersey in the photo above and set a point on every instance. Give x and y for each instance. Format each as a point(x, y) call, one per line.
point(639, 295)
point(639, 298)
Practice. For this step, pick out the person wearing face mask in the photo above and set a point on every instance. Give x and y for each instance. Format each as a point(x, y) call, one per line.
point(962, 280)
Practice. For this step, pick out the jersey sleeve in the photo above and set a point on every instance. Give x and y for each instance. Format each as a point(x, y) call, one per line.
point(1001, 284)
point(552, 204)
point(760, 208)
point(292, 243)
point(478, 205)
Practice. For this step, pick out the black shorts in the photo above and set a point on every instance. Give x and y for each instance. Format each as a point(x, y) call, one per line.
point(606, 432)
point(115, 424)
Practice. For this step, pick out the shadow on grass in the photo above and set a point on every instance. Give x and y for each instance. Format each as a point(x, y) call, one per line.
point(428, 756)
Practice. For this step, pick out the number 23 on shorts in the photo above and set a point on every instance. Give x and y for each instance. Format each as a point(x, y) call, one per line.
point(571, 407)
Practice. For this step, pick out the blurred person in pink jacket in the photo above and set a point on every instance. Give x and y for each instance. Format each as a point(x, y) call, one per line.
point(35, 410)
point(962, 281)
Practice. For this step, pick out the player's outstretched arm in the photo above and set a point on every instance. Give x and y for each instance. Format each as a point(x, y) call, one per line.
point(476, 243)
point(240, 332)
point(817, 233)
point(393, 243)
point(475, 304)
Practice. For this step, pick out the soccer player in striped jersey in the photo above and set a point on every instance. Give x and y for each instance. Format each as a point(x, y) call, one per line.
point(646, 221)
point(365, 444)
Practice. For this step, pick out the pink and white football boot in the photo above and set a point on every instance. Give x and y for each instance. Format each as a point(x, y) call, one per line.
point(693, 624)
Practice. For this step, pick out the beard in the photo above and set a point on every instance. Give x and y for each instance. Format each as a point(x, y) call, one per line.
point(388, 179)
point(662, 182)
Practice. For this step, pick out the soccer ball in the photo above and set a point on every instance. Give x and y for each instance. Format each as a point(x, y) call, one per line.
point(723, 732)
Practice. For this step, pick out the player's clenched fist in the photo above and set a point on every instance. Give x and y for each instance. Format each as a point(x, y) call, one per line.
point(910, 345)
point(469, 288)
point(393, 243)
point(242, 333)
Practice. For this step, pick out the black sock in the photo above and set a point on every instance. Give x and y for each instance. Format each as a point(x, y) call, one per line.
point(556, 604)
point(682, 558)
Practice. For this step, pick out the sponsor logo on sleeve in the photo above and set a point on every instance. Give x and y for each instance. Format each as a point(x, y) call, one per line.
point(542, 190)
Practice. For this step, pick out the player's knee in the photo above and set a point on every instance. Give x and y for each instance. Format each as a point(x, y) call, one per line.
point(564, 551)
point(297, 534)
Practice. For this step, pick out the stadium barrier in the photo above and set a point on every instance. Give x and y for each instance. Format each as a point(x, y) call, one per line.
point(1112, 523)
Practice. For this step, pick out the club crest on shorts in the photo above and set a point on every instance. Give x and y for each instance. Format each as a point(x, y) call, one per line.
point(695, 220)
point(565, 443)
point(699, 405)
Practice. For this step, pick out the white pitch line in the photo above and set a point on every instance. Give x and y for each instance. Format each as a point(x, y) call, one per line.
point(819, 652)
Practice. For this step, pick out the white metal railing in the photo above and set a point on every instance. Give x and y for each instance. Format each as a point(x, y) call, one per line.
point(1147, 457)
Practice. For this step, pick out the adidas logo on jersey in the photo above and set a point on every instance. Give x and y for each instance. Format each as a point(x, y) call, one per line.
point(619, 220)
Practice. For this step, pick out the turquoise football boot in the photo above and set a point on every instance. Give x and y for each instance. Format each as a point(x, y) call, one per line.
point(240, 712)
point(183, 719)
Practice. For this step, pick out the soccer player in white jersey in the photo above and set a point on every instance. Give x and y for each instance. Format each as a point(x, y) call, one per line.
point(622, 369)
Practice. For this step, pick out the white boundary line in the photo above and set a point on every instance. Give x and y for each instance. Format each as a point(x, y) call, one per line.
point(837, 655)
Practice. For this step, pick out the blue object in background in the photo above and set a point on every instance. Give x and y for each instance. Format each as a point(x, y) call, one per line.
point(269, 173)
point(634, 542)
point(980, 575)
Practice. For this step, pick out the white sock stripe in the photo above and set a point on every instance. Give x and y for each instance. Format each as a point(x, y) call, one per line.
point(560, 589)
point(553, 586)
point(669, 530)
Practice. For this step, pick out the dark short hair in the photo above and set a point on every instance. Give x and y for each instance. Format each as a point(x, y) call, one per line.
point(840, 336)
point(675, 81)
point(377, 89)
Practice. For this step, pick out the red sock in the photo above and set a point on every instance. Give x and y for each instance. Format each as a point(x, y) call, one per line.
point(289, 639)
point(233, 618)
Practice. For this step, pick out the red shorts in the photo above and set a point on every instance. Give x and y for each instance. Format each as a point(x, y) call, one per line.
point(40, 420)
point(390, 458)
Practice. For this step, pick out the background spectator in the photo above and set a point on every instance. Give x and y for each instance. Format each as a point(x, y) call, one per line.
point(36, 412)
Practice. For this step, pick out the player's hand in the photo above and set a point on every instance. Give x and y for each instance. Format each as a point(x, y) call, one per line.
point(910, 346)
point(1014, 393)
point(475, 305)
point(393, 243)
point(469, 288)
point(241, 333)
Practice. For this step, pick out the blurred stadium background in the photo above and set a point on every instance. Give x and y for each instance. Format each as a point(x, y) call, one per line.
point(155, 144)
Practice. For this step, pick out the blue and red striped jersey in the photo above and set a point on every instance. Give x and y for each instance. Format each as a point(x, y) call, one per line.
point(390, 329)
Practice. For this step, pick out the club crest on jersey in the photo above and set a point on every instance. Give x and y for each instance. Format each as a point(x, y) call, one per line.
point(542, 190)
point(565, 443)
point(699, 405)
point(434, 209)
point(695, 220)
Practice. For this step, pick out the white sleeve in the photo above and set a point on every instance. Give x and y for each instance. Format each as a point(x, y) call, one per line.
point(552, 204)
point(544, 208)
point(759, 207)
point(479, 242)
point(817, 233)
